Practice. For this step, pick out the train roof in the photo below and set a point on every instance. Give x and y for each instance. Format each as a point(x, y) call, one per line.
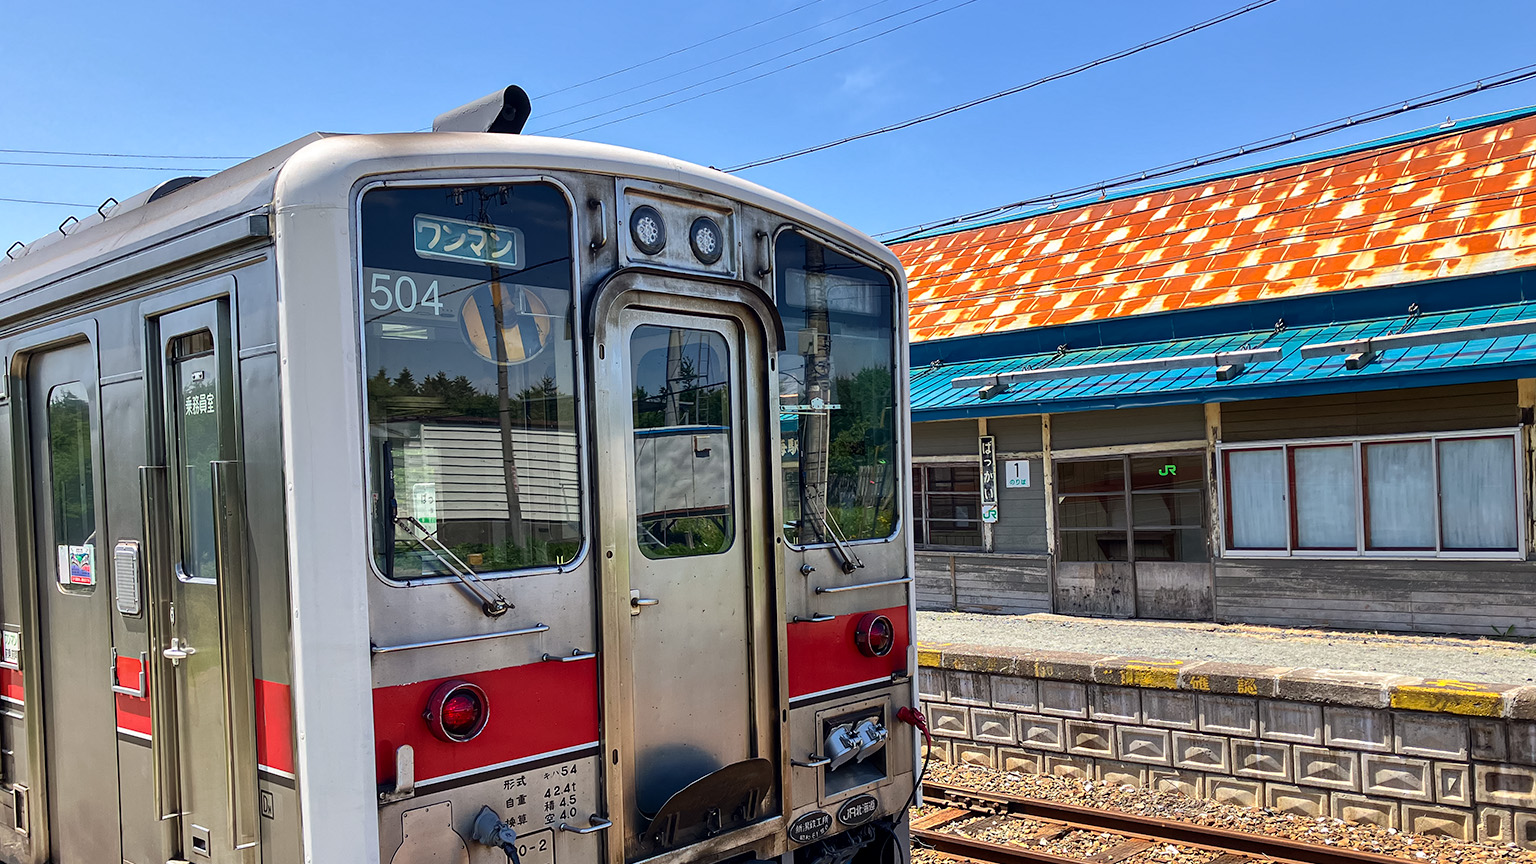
point(182, 206)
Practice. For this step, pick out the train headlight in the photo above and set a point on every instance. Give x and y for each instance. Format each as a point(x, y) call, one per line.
point(707, 240)
point(647, 229)
point(457, 711)
point(875, 635)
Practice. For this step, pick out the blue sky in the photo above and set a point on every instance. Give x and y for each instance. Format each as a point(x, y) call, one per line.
point(199, 79)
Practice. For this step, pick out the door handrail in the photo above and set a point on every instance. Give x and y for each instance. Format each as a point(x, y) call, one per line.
point(456, 640)
point(236, 655)
point(166, 772)
point(905, 580)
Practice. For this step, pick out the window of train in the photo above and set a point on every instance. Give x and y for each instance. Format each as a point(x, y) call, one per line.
point(72, 485)
point(198, 440)
point(837, 411)
point(684, 495)
point(471, 362)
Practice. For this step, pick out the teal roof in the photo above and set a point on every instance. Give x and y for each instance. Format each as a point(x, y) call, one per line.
point(1447, 363)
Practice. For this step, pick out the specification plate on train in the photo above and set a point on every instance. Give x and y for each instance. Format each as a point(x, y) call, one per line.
point(536, 848)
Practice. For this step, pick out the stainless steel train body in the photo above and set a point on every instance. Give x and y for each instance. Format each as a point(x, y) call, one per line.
point(382, 496)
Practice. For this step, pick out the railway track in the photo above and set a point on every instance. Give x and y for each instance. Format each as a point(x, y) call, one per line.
point(1109, 837)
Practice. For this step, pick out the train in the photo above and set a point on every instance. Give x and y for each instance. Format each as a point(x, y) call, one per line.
point(457, 496)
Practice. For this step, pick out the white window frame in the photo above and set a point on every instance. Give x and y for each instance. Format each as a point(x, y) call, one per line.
point(1358, 442)
point(920, 509)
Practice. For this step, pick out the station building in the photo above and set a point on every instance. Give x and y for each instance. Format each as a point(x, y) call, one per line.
point(1297, 394)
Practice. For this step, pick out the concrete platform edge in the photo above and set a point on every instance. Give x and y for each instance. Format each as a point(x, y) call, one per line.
point(1322, 686)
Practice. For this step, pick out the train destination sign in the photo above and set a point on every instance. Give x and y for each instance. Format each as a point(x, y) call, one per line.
point(474, 242)
point(811, 827)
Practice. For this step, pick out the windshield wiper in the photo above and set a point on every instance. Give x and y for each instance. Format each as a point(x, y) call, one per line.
point(850, 562)
point(491, 602)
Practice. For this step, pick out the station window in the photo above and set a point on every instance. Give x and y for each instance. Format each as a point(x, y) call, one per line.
point(1132, 508)
point(946, 505)
point(1423, 496)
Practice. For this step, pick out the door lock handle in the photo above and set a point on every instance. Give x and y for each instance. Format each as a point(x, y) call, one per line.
point(636, 602)
point(178, 651)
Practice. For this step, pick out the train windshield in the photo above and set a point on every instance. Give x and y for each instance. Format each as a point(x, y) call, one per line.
point(837, 411)
point(471, 378)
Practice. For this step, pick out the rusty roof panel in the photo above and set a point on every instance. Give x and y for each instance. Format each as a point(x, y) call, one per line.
point(1456, 204)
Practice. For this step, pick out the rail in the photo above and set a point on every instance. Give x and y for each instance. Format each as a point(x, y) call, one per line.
point(1139, 831)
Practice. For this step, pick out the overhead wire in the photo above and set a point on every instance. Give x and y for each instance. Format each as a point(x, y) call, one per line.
point(48, 203)
point(713, 62)
point(103, 167)
point(1011, 91)
point(762, 75)
point(1428, 100)
point(596, 79)
point(673, 53)
point(119, 155)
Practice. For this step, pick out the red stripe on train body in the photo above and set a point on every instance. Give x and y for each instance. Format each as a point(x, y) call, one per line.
point(10, 685)
point(274, 725)
point(536, 708)
point(824, 656)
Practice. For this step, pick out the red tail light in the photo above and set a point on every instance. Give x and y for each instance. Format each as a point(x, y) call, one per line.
point(457, 711)
point(875, 635)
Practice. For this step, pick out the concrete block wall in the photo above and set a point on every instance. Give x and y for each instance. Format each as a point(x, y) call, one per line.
point(1430, 757)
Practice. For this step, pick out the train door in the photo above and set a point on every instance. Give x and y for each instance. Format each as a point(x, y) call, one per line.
point(208, 620)
point(689, 705)
point(74, 613)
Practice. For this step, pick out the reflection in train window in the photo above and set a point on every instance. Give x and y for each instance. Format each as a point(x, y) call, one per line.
point(684, 495)
point(471, 364)
point(70, 473)
point(837, 391)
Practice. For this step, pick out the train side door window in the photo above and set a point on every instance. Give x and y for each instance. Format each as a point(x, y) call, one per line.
point(72, 478)
point(682, 427)
point(197, 438)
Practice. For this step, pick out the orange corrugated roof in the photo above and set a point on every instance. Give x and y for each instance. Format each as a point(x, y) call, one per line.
point(1450, 205)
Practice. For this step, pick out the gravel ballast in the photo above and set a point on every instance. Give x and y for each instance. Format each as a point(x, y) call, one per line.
point(1171, 805)
point(1484, 660)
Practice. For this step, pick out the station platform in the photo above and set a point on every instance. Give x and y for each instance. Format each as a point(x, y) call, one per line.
point(1484, 660)
point(1432, 735)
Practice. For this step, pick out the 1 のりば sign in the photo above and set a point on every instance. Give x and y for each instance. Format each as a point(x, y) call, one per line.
point(1017, 472)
